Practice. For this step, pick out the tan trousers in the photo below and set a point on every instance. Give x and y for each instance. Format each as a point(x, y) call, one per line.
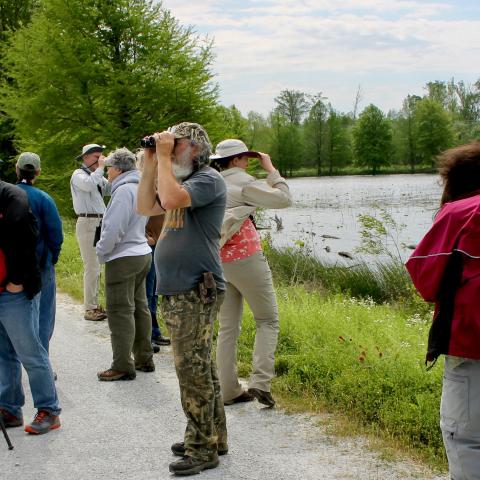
point(85, 231)
point(249, 279)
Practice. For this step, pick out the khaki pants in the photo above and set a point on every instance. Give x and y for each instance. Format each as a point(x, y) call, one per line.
point(249, 279)
point(85, 231)
point(460, 417)
point(190, 323)
point(128, 315)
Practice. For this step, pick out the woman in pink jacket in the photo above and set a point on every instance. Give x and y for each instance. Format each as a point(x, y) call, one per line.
point(445, 269)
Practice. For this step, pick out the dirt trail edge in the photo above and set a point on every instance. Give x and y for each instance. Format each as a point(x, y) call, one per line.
point(123, 430)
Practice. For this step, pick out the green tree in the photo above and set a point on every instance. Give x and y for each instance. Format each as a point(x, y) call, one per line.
point(338, 145)
point(108, 71)
point(259, 132)
point(372, 139)
point(292, 104)
point(13, 15)
point(287, 145)
point(403, 131)
point(227, 122)
point(433, 130)
point(314, 128)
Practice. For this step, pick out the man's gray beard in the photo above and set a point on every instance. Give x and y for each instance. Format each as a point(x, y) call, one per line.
point(182, 166)
point(181, 171)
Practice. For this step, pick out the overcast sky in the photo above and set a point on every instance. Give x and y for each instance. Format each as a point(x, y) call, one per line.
point(390, 48)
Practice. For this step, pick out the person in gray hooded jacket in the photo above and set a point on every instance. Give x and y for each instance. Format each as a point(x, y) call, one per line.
point(124, 250)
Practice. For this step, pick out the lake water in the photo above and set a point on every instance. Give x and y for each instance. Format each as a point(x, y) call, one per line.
point(331, 205)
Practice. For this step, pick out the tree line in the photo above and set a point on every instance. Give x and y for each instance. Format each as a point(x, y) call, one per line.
point(111, 71)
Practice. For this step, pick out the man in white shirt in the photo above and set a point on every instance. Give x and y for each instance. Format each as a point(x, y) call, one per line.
point(88, 187)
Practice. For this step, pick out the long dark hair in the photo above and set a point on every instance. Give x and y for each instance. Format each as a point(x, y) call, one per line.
point(459, 169)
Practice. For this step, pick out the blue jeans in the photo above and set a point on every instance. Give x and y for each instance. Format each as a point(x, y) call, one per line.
point(20, 345)
point(44, 306)
point(152, 297)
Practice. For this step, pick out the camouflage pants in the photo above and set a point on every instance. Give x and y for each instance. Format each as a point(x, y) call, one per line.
point(190, 323)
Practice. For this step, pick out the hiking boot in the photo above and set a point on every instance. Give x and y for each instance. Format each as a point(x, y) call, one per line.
point(112, 375)
point(10, 420)
point(178, 449)
point(161, 340)
point(95, 314)
point(155, 348)
point(147, 367)
point(190, 466)
point(243, 397)
point(263, 397)
point(43, 422)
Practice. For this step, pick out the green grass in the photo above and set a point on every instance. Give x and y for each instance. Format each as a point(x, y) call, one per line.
point(385, 282)
point(360, 359)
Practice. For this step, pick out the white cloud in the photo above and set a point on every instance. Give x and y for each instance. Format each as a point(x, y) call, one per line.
point(265, 46)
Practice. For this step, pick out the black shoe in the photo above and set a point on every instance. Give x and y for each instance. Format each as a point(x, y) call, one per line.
point(178, 449)
point(263, 397)
point(190, 466)
point(147, 368)
point(243, 397)
point(155, 348)
point(161, 340)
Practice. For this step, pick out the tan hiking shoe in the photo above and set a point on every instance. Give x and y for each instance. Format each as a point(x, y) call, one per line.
point(95, 314)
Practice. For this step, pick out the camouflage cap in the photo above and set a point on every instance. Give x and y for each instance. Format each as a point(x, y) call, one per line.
point(192, 131)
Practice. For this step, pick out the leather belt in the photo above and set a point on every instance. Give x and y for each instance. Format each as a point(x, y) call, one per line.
point(90, 215)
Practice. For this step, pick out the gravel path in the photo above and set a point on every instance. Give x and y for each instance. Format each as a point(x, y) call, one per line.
point(123, 430)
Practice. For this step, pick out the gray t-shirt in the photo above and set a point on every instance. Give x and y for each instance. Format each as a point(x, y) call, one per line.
point(189, 250)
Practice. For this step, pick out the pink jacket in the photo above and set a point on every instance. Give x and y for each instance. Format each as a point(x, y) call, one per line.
point(445, 269)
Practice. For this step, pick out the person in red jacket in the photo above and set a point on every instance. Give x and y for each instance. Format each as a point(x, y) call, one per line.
point(445, 269)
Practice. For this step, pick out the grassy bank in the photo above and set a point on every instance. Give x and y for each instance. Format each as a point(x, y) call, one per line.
point(360, 359)
point(352, 341)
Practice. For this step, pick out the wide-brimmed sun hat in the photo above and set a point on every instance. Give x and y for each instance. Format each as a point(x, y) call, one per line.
point(231, 148)
point(90, 148)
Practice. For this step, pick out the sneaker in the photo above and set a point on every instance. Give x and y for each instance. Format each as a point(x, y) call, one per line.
point(263, 397)
point(243, 397)
point(178, 449)
point(10, 420)
point(95, 315)
point(161, 340)
point(43, 422)
point(112, 375)
point(155, 348)
point(147, 367)
point(190, 466)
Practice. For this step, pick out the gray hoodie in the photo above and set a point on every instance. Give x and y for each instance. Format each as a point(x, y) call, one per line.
point(123, 229)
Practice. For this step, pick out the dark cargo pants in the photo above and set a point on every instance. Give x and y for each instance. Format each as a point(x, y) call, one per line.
point(190, 323)
point(128, 315)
